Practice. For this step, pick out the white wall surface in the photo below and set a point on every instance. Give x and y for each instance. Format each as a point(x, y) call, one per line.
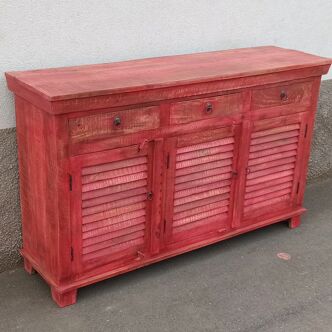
point(52, 33)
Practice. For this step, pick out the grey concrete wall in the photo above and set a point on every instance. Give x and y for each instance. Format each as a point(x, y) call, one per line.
point(10, 219)
point(10, 229)
point(320, 163)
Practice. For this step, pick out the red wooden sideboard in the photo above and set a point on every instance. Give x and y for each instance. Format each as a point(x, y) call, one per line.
point(125, 164)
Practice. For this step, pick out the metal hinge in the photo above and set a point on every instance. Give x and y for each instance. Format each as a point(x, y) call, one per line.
point(149, 195)
point(298, 187)
point(70, 183)
point(234, 173)
point(167, 161)
point(71, 253)
point(305, 130)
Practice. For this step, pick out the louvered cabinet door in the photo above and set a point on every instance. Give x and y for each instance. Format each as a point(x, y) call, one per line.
point(111, 206)
point(273, 166)
point(200, 185)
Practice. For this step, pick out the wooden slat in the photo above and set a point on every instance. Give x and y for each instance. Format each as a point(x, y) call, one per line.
point(203, 160)
point(114, 212)
point(223, 172)
point(204, 152)
point(267, 196)
point(114, 220)
point(198, 189)
point(113, 242)
point(202, 223)
point(94, 194)
point(270, 177)
point(198, 216)
point(274, 137)
point(279, 149)
point(270, 183)
point(204, 167)
point(274, 144)
point(267, 203)
point(204, 181)
point(114, 173)
point(200, 209)
point(112, 235)
point(268, 189)
point(113, 205)
point(113, 228)
point(270, 170)
point(200, 196)
point(275, 130)
point(206, 145)
point(272, 157)
point(272, 163)
point(114, 182)
point(114, 197)
point(223, 199)
point(114, 165)
point(122, 247)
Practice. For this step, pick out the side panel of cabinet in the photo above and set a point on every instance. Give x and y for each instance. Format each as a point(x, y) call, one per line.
point(199, 178)
point(273, 166)
point(112, 204)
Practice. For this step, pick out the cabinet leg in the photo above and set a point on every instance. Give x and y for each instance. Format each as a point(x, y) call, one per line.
point(64, 299)
point(294, 222)
point(28, 267)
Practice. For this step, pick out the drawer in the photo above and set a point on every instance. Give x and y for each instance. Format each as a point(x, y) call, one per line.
point(114, 123)
point(200, 109)
point(298, 93)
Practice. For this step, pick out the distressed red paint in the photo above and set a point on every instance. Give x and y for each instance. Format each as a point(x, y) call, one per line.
point(125, 164)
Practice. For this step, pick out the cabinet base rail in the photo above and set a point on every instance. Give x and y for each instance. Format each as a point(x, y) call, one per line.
point(66, 294)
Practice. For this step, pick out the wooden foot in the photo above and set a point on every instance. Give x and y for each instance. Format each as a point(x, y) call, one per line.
point(28, 267)
point(64, 299)
point(294, 222)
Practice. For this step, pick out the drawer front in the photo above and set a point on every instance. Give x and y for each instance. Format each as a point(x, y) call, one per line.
point(206, 108)
point(299, 93)
point(114, 123)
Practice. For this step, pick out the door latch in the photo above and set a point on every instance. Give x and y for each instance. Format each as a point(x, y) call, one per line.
point(149, 195)
point(141, 145)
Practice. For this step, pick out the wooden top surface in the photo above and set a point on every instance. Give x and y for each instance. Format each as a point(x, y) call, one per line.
point(134, 75)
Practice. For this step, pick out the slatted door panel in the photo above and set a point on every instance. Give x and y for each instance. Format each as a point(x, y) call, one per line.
point(273, 165)
point(111, 205)
point(200, 183)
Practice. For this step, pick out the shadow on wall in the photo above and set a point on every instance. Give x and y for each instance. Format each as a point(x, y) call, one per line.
point(10, 226)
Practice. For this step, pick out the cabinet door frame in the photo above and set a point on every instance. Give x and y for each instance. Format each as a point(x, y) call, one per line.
point(97, 158)
point(170, 147)
point(264, 124)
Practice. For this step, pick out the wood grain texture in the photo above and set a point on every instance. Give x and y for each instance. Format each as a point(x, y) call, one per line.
point(200, 109)
point(113, 220)
point(105, 125)
point(299, 93)
point(274, 156)
point(103, 79)
point(212, 145)
point(200, 183)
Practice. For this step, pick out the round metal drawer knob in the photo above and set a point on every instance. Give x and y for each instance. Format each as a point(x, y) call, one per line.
point(283, 95)
point(117, 121)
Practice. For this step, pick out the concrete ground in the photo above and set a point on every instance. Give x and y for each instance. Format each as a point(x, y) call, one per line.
point(236, 285)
